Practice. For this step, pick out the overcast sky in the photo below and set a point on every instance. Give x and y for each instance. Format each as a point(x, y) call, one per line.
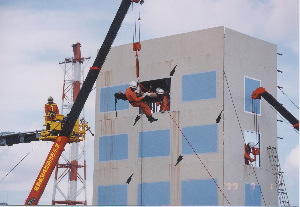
point(36, 35)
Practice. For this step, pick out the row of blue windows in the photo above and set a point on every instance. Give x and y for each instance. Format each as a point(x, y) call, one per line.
point(194, 87)
point(198, 86)
point(193, 192)
point(203, 139)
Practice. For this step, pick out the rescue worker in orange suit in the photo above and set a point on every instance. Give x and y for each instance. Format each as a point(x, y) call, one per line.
point(51, 110)
point(136, 101)
point(248, 150)
point(164, 100)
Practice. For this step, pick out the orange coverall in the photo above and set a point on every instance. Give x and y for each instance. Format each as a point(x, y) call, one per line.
point(137, 101)
point(247, 157)
point(51, 109)
point(164, 103)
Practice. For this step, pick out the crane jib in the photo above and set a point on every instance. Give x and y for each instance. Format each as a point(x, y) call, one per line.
point(49, 165)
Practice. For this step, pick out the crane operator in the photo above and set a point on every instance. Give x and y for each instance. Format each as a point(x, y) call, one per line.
point(51, 110)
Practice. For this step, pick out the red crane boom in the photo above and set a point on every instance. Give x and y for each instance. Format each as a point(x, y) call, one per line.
point(61, 141)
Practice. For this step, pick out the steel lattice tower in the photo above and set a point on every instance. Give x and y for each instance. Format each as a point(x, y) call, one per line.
point(70, 177)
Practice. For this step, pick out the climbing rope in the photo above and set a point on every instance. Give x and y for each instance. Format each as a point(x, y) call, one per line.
point(236, 114)
point(254, 110)
point(206, 169)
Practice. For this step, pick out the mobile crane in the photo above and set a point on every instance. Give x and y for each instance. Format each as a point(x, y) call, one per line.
point(65, 133)
point(262, 92)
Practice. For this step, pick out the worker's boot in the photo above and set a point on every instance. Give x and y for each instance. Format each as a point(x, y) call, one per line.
point(151, 118)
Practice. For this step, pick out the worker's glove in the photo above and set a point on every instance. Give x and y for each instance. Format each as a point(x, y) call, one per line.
point(146, 94)
point(52, 115)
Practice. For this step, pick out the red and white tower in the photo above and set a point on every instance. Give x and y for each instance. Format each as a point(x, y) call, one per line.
point(70, 177)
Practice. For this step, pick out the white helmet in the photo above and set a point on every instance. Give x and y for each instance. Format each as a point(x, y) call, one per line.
point(132, 84)
point(251, 144)
point(160, 91)
point(50, 98)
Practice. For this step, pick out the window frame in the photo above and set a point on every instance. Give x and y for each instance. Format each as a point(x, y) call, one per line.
point(256, 140)
point(253, 100)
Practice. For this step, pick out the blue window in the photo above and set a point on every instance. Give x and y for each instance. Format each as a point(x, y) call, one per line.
point(199, 193)
point(154, 143)
point(154, 194)
point(252, 195)
point(251, 105)
point(113, 147)
point(199, 86)
point(203, 139)
point(107, 99)
point(112, 195)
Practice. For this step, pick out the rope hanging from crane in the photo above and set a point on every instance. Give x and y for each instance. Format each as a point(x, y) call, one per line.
point(254, 110)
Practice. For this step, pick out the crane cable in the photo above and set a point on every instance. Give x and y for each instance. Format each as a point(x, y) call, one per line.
point(256, 126)
point(280, 88)
point(206, 169)
point(242, 131)
point(18, 163)
point(283, 119)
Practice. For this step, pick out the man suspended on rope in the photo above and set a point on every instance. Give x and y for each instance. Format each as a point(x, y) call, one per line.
point(136, 101)
point(51, 110)
point(163, 100)
point(250, 148)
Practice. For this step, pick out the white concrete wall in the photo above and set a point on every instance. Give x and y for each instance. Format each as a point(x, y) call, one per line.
point(193, 52)
point(251, 57)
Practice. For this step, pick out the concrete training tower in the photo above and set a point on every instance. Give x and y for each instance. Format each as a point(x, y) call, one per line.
point(217, 70)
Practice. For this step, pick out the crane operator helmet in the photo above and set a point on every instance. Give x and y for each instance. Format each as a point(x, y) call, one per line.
point(50, 99)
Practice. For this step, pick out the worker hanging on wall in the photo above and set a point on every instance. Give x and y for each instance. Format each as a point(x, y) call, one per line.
point(136, 101)
point(51, 110)
point(250, 149)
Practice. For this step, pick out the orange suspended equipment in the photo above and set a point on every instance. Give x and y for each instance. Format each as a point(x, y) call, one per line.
point(136, 46)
